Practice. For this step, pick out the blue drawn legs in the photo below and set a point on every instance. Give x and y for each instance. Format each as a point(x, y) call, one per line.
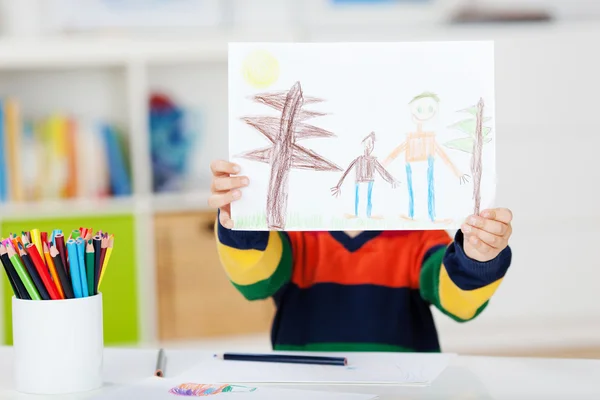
point(411, 197)
point(356, 197)
point(369, 204)
point(430, 189)
point(369, 197)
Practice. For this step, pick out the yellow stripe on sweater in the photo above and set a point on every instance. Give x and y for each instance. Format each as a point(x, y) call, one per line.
point(463, 303)
point(246, 267)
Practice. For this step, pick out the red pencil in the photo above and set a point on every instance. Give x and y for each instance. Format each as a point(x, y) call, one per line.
point(44, 237)
point(41, 268)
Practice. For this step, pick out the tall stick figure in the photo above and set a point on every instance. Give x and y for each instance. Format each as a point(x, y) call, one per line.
point(421, 146)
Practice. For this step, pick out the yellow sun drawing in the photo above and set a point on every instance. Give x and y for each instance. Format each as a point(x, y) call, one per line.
point(260, 69)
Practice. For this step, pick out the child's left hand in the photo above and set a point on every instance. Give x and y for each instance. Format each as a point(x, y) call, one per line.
point(487, 234)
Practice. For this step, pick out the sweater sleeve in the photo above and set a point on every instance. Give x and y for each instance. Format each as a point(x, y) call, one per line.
point(258, 264)
point(457, 285)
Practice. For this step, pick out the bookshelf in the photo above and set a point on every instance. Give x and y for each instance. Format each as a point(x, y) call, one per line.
point(116, 75)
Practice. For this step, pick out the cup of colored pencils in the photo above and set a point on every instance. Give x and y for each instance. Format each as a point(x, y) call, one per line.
point(58, 344)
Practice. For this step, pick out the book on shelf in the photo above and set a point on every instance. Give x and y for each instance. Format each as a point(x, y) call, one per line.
point(60, 157)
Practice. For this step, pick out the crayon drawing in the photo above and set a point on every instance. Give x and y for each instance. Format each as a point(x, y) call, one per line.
point(421, 146)
point(366, 166)
point(478, 136)
point(203, 390)
point(384, 123)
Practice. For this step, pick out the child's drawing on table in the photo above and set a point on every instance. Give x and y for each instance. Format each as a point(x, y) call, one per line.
point(202, 389)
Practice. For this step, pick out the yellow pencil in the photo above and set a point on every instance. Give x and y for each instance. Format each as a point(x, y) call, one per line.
point(37, 240)
point(109, 249)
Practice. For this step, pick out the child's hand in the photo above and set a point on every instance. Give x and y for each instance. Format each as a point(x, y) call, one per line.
point(487, 234)
point(225, 189)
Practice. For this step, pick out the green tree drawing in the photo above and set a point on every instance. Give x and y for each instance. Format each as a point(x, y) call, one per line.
point(473, 144)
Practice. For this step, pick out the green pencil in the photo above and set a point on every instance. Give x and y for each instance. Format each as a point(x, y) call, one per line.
point(23, 274)
point(75, 234)
point(90, 263)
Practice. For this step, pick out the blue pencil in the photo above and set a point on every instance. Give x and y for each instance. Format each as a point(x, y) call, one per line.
point(81, 262)
point(284, 358)
point(74, 267)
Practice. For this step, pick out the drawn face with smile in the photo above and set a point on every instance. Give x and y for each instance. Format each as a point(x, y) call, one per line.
point(423, 109)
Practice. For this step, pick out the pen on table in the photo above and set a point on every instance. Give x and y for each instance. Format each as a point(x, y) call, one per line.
point(161, 363)
point(285, 358)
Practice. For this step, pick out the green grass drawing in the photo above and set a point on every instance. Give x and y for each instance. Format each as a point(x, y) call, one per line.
point(297, 222)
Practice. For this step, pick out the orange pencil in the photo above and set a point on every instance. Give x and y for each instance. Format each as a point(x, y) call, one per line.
point(53, 272)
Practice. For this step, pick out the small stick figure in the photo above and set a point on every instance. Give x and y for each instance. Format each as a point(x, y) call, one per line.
point(366, 165)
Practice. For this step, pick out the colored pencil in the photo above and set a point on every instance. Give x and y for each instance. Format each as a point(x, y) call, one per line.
point(109, 250)
point(36, 238)
point(44, 236)
point(43, 271)
point(74, 268)
point(98, 253)
point(62, 275)
point(25, 239)
point(75, 234)
point(59, 239)
point(23, 274)
point(90, 262)
point(285, 358)
point(35, 277)
point(53, 272)
point(81, 262)
point(15, 282)
point(161, 363)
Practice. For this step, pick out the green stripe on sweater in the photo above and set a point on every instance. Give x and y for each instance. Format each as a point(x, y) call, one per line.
point(268, 287)
point(430, 284)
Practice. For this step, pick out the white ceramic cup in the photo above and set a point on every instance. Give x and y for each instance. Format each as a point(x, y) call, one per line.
point(58, 345)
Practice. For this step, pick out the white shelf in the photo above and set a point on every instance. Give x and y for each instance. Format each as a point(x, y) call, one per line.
point(66, 208)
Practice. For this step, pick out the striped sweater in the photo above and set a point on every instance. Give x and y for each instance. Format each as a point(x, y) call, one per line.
point(372, 292)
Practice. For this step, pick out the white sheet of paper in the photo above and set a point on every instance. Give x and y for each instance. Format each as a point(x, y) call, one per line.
point(173, 389)
point(301, 114)
point(363, 368)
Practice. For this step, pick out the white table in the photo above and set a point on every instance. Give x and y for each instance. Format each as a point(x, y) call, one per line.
point(472, 378)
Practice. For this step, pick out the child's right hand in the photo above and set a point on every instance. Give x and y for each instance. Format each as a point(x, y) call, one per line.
point(225, 189)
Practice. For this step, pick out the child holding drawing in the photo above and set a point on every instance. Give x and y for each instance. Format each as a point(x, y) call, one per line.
point(361, 291)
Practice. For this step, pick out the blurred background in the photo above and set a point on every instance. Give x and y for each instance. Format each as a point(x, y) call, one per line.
point(110, 111)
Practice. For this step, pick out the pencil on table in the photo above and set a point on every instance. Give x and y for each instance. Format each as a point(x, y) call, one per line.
point(62, 275)
point(109, 249)
point(23, 274)
point(90, 261)
point(15, 282)
point(35, 277)
point(74, 268)
point(43, 271)
point(80, 248)
point(53, 272)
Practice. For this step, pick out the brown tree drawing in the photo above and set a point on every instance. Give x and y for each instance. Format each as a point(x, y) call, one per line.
point(284, 154)
point(478, 136)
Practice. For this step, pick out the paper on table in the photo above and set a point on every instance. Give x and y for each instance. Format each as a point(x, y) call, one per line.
point(172, 389)
point(363, 368)
point(362, 136)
